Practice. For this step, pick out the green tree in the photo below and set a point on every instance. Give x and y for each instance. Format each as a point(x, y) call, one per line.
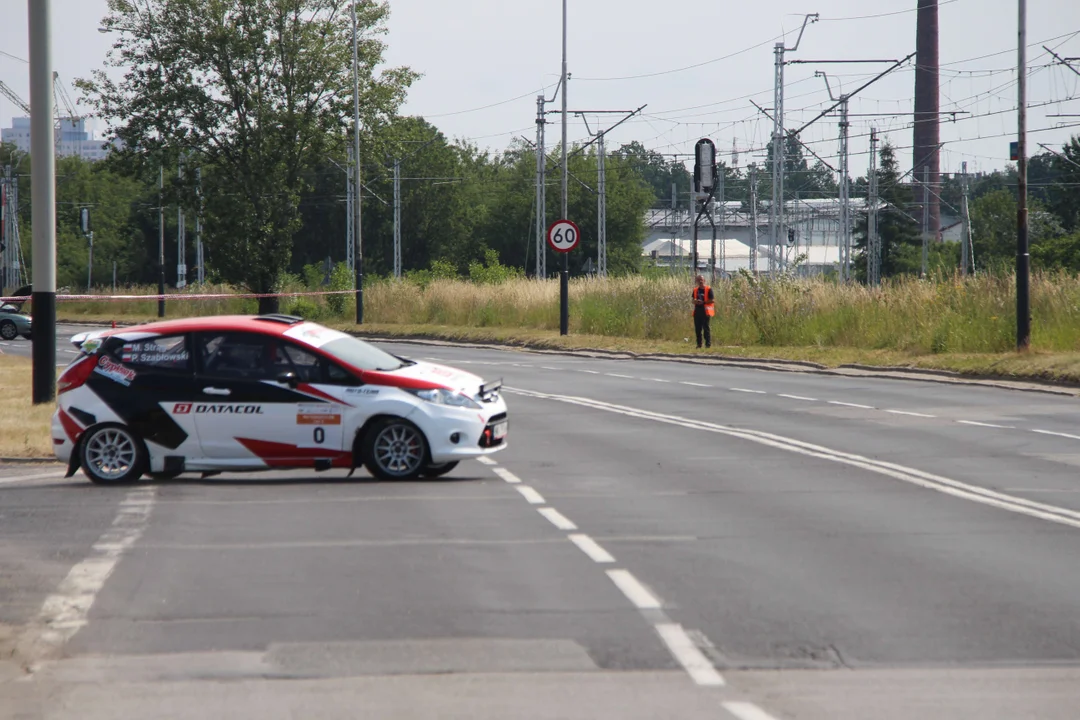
point(257, 94)
point(900, 241)
point(993, 230)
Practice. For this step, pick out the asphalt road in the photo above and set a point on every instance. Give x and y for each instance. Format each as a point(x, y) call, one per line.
point(659, 540)
point(65, 351)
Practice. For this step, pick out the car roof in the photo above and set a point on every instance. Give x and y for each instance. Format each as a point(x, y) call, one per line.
point(264, 324)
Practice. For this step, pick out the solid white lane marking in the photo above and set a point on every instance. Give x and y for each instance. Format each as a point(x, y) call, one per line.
point(854, 405)
point(531, 495)
point(746, 711)
point(589, 546)
point(919, 478)
point(989, 425)
point(634, 591)
point(797, 397)
point(556, 518)
point(659, 380)
point(26, 478)
point(65, 612)
point(694, 384)
point(483, 460)
point(506, 475)
point(688, 654)
point(744, 390)
point(1058, 434)
point(908, 412)
point(626, 377)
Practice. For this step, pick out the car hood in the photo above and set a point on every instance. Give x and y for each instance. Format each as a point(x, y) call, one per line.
point(430, 374)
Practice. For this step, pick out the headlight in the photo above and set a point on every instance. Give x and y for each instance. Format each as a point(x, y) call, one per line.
point(442, 396)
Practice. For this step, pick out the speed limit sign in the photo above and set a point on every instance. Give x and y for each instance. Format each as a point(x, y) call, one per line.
point(563, 236)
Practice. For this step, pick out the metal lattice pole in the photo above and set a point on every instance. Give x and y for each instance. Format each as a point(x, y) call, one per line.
point(181, 234)
point(200, 259)
point(776, 209)
point(753, 220)
point(925, 219)
point(397, 218)
point(845, 208)
point(541, 191)
point(966, 261)
point(601, 209)
point(873, 241)
point(350, 245)
point(723, 245)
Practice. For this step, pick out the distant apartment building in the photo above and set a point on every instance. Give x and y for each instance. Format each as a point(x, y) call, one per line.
point(73, 137)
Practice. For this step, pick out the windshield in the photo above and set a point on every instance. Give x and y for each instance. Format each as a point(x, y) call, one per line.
point(359, 354)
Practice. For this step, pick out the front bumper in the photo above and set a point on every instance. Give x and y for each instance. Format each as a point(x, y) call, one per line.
point(458, 434)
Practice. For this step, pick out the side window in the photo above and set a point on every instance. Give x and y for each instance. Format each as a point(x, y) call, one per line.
point(162, 353)
point(306, 365)
point(337, 375)
point(240, 356)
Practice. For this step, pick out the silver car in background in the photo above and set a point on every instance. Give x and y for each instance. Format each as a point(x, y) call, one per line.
point(13, 322)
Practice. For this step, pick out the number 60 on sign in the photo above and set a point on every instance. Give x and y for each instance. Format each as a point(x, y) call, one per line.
point(563, 236)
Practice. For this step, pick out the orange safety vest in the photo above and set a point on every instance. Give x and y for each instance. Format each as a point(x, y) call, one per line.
point(710, 310)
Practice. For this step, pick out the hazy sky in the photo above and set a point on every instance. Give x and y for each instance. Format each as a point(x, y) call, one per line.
point(483, 62)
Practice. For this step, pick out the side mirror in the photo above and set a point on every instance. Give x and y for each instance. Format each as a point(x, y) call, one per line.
point(289, 378)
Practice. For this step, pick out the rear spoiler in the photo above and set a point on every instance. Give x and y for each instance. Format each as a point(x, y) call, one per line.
point(80, 339)
point(491, 388)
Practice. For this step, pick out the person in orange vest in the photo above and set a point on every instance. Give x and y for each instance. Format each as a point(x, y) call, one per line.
point(704, 309)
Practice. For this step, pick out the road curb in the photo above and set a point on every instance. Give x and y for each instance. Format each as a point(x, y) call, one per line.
point(774, 365)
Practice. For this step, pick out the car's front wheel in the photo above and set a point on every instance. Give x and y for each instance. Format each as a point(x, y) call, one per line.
point(432, 471)
point(112, 455)
point(8, 331)
point(395, 449)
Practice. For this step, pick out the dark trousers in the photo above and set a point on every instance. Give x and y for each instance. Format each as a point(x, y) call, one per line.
point(701, 327)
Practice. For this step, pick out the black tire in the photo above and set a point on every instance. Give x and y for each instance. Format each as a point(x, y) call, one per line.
point(112, 454)
point(432, 471)
point(8, 331)
point(395, 449)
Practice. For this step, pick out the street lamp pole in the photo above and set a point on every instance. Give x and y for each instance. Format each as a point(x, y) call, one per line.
point(356, 178)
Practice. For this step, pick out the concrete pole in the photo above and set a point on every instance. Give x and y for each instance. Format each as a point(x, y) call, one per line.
point(357, 185)
point(1023, 261)
point(43, 209)
point(564, 275)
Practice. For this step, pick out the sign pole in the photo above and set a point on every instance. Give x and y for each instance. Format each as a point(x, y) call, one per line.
point(564, 274)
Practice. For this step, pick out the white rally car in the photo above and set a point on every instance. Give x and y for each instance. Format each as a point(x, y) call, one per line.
point(242, 393)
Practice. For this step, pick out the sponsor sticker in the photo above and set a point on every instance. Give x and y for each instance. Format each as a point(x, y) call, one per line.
point(114, 371)
point(318, 415)
point(313, 335)
point(221, 409)
point(150, 353)
point(361, 391)
point(182, 409)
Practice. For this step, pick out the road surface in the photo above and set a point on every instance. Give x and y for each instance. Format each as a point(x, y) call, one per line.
point(659, 540)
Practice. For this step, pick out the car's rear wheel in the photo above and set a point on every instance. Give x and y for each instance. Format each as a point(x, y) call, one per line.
point(395, 449)
point(438, 470)
point(8, 331)
point(112, 455)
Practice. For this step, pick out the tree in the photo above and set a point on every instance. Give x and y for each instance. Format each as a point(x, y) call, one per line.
point(657, 172)
point(255, 92)
point(993, 230)
point(900, 242)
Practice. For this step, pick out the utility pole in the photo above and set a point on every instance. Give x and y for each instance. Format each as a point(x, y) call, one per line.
point(776, 209)
point(541, 191)
point(753, 220)
point(43, 199)
point(873, 241)
point(88, 233)
point(1023, 305)
point(200, 260)
point(674, 219)
point(564, 275)
point(350, 232)
point(967, 265)
point(357, 185)
point(845, 206)
point(161, 240)
point(181, 235)
point(397, 218)
point(601, 209)
point(925, 219)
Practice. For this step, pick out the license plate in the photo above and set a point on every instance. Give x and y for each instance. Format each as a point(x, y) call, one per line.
point(499, 431)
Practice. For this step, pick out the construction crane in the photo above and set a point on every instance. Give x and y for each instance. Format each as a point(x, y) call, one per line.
point(60, 96)
point(10, 95)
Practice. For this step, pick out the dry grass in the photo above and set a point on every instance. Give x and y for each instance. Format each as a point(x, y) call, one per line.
point(24, 427)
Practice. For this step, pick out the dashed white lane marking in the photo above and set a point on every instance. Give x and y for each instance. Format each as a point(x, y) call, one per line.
point(548, 367)
point(752, 392)
point(530, 494)
point(854, 405)
point(626, 377)
point(695, 663)
point(589, 546)
point(634, 590)
point(556, 518)
point(659, 380)
point(989, 425)
point(27, 478)
point(591, 372)
point(694, 384)
point(746, 711)
point(797, 397)
point(507, 475)
point(65, 612)
point(1058, 434)
point(908, 412)
point(486, 461)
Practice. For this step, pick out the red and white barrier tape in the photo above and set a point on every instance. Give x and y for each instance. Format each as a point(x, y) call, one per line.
point(180, 296)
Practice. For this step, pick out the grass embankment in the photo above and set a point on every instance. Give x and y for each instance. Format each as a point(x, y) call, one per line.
point(952, 323)
point(24, 427)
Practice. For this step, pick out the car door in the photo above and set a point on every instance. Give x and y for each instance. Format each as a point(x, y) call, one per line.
point(242, 412)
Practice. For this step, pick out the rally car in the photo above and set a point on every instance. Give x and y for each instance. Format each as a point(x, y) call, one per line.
point(245, 393)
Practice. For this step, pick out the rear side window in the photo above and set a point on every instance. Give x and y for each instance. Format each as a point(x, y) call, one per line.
point(162, 353)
